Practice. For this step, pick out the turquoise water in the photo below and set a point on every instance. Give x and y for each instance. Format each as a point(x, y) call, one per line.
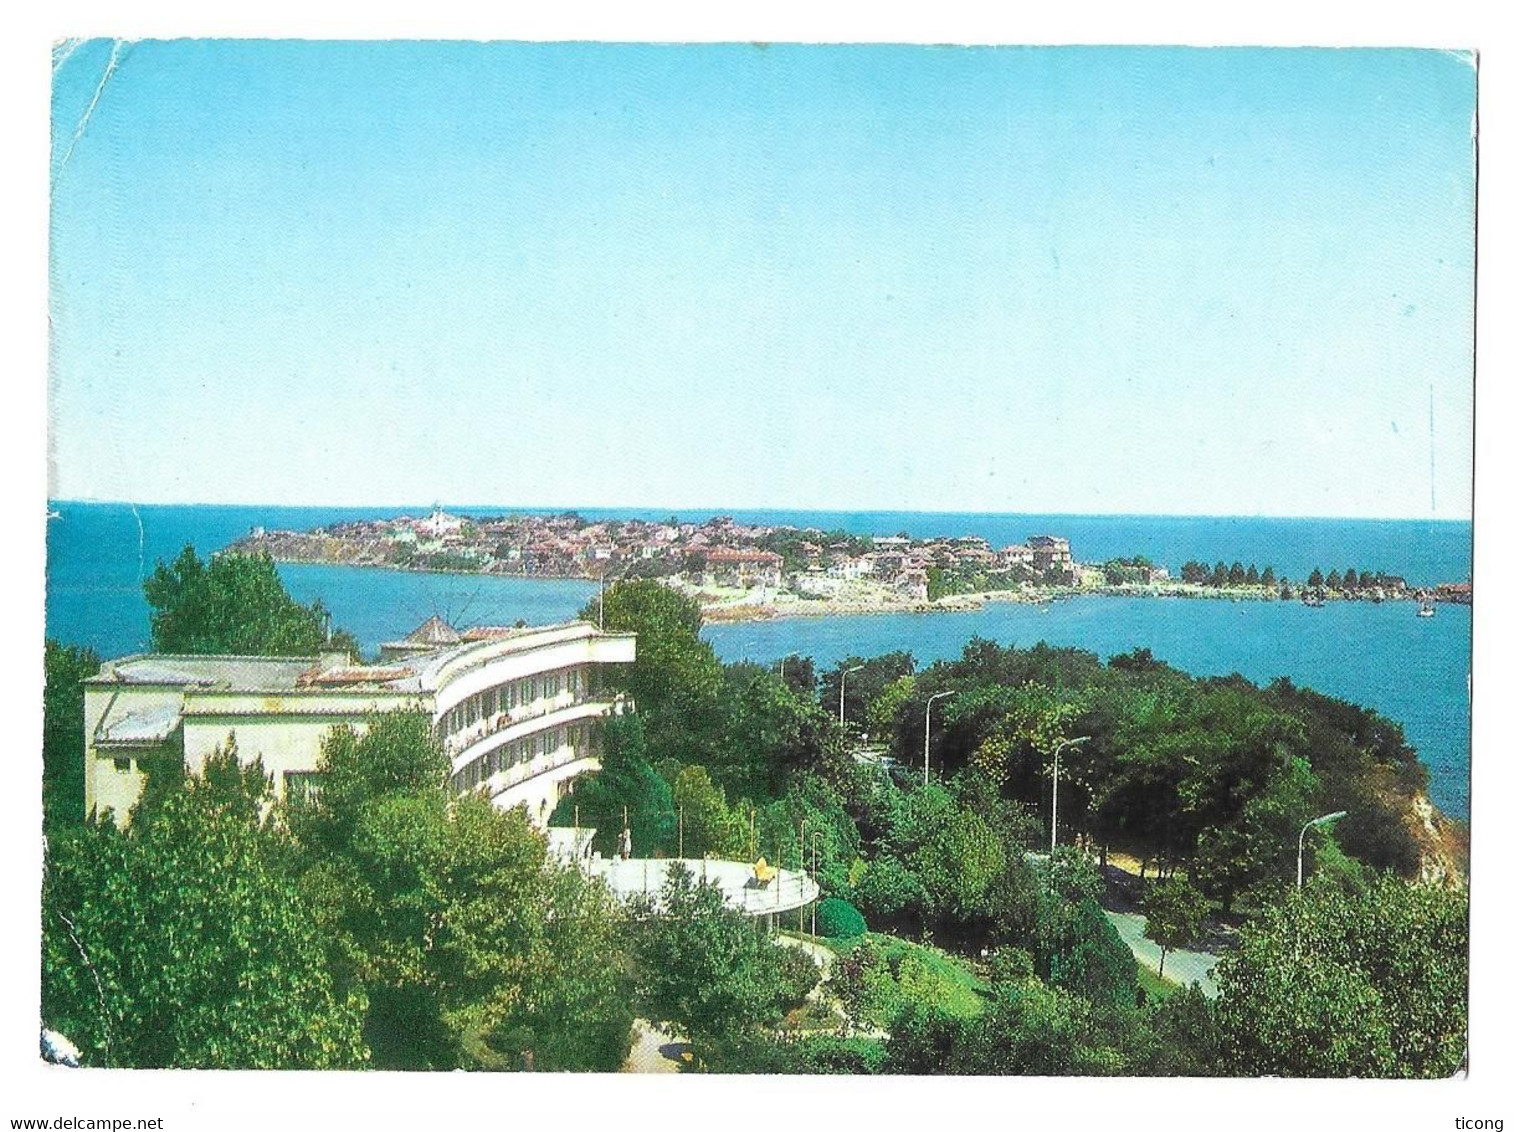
point(1412, 669)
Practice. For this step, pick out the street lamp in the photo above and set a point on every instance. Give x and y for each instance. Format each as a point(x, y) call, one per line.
point(1056, 768)
point(933, 699)
point(844, 671)
point(815, 875)
point(1308, 825)
point(782, 661)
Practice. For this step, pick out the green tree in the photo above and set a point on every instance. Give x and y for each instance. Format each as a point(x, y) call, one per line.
point(1252, 577)
point(1080, 950)
point(872, 676)
point(1333, 580)
point(1252, 846)
point(625, 789)
point(1349, 581)
point(1184, 1038)
point(702, 967)
point(710, 825)
point(676, 680)
point(798, 673)
point(1220, 575)
point(65, 668)
point(1237, 576)
point(883, 710)
point(187, 943)
point(234, 604)
point(1269, 579)
point(1332, 984)
point(1174, 915)
point(1031, 1030)
point(1316, 579)
point(473, 950)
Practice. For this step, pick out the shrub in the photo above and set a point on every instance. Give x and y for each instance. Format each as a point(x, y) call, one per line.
point(798, 974)
point(838, 919)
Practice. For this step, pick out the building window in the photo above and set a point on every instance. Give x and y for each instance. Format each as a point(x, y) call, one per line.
point(123, 762)
point(489, 702)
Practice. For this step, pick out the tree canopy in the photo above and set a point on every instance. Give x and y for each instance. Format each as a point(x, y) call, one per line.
point(187, 943)
point(234, 604)
point(473, 949)
point(65, 668)
point(705, 968)
point(1174, 915)
point(1338, 984)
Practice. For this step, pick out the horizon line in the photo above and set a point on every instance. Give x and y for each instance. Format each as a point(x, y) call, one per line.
point(672, 511)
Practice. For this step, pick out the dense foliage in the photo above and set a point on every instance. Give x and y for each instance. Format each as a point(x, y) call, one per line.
point(473, 950)
point(839, 919)
point(236, 605)
point(186, 942)
point(1338, 984)
point(1216, 773)
point(706, 969)
point(627, 792)
point(383, 921)
point(1174, 915)
point(64, 670)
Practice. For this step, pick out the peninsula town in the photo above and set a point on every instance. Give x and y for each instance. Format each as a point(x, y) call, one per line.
point(739, 571)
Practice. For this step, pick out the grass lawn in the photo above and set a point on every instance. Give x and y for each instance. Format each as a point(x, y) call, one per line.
point(912, 972)
point(1156, 988)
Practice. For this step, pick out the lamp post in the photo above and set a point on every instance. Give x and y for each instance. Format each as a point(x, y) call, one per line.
point(782, 661)
point(815, 875)
point(1056, 769)
point(844, 672)
point(933, 699)
point(1308, 825)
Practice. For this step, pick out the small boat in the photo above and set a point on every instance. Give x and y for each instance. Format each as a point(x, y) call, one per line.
point(1426, 609)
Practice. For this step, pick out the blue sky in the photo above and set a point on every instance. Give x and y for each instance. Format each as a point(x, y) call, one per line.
point(1063, 280)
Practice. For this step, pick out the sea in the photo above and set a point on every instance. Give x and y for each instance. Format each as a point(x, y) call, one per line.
point(1415, 670)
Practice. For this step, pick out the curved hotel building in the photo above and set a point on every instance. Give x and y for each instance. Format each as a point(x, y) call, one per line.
point(517, 710)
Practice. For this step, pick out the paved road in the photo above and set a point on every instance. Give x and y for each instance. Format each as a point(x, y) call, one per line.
point(1182, 966)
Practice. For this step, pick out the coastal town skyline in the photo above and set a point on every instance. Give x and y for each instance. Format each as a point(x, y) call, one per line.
point(979, 280)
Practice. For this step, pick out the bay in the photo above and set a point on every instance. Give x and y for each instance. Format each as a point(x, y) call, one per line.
point(1412, 669)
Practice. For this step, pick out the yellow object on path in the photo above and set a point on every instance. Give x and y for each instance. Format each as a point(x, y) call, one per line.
point(763, 871)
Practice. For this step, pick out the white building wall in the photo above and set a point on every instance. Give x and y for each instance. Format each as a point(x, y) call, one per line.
point(286, 730)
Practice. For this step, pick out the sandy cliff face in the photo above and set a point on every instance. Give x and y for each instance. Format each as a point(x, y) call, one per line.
point(1443, 843)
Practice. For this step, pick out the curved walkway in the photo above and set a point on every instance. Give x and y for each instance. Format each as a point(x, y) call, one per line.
point(653, 1050)
point(1182, 966)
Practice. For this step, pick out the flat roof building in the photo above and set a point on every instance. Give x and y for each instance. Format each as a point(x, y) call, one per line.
point(517, 710)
